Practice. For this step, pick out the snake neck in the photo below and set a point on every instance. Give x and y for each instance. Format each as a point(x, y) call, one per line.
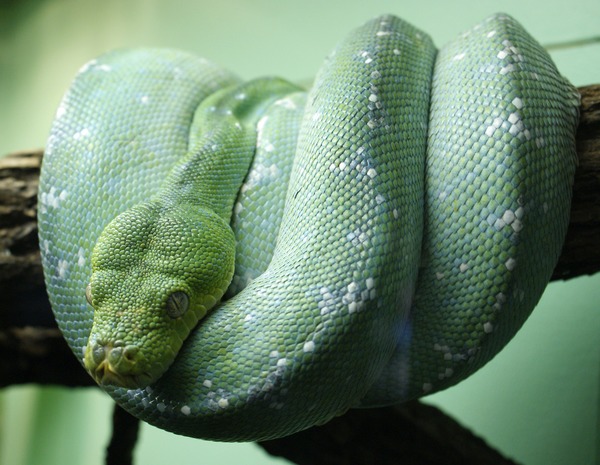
point(221, 147)
point(177, 250)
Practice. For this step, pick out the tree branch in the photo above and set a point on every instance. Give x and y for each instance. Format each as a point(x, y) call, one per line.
point(410, 434)
point(581, 254)
point(32, 349)
point(124, 436)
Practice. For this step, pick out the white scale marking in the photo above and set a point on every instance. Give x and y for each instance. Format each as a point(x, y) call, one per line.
point(80, 257)
point(85, 132)
point(223, 403)
point(510, 264)
point(309, 346)
point(62, 268)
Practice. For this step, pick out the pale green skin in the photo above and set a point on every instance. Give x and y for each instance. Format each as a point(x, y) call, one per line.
point(388, 232)
point(177, 243)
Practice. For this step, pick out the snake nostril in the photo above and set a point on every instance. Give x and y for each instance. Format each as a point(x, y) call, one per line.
point(98, 353)
point(115, 354)
point(130, 352)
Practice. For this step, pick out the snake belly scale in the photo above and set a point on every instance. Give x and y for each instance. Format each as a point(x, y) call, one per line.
point(241, 261)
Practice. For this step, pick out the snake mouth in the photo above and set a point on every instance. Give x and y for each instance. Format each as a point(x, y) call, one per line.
point(116, 364)
point(106, 375)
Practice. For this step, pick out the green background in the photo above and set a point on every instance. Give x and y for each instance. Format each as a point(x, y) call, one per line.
point(538, 401)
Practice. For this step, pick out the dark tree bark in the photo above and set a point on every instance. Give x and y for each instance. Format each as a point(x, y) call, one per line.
point(124, 436)
point(32, 349)
point(581, 254)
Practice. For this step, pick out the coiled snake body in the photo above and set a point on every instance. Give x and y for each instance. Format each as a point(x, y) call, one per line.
point(373, 240)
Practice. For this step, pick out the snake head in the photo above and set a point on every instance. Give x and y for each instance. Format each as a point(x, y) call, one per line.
point(156, 271)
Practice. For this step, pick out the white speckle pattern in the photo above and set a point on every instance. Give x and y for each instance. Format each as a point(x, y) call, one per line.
point(510, 264)
point(286, 103)
point(500, 301)
point(61, 111)
point(53, 198)
point(260, 175)
point(357, 237)
point(356, 296)
point(81, 257)
point(488, 327)
point(85, 132)
point(186, 410)
point(62, 268)
point(518, 103)
point(223, 403)
point(491, 129)
point(519, 213)
point(309, 346)
point(370, 282)
point(508, 217)
point(327, 301)
point(238, 208)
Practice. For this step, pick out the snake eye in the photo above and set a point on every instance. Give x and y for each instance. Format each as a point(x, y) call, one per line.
point(177, 304)
point(88, 293)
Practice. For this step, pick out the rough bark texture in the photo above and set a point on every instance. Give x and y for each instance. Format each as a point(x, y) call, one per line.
point(581, 254)
point(33, 351)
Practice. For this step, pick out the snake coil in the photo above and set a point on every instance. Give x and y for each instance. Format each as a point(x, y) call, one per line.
point(394, 226)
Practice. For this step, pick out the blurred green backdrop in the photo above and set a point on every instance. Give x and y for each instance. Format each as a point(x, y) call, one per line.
point(538, 401)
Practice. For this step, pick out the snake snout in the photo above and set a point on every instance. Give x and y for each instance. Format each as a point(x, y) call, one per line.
point(113, 363)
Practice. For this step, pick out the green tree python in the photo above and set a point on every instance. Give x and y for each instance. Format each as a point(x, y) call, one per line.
point(243, 260)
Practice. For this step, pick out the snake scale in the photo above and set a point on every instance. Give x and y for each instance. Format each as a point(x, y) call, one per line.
point(242, 260)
